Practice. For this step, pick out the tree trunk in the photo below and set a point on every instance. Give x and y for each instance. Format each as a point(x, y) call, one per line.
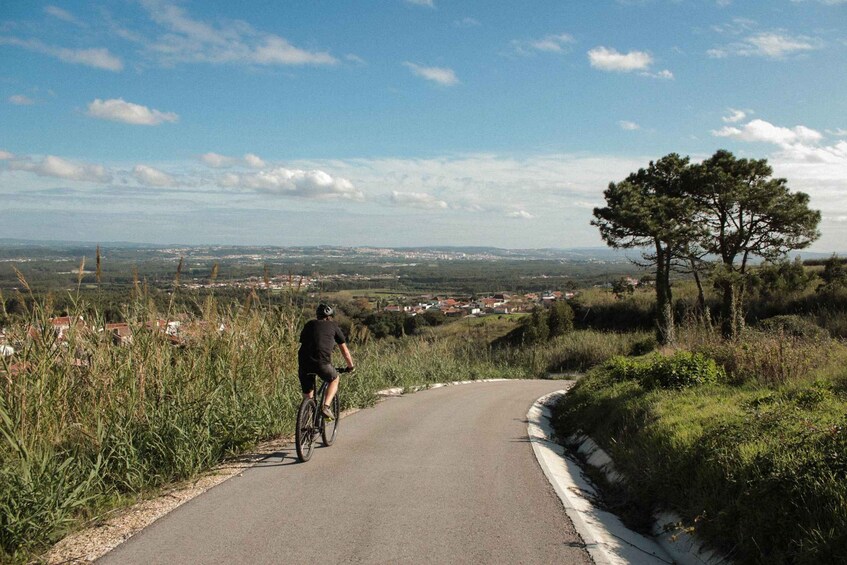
point(731, 317)
point(701, 296)
point(665, 331)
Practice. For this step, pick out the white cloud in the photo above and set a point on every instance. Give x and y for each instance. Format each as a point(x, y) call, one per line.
point(118, 110)
point(153, 177)
point(607, 59)
point(819, 170)
point(770, 45)
point(5, 155)
point(63, 15)
point(294, 182)
point(838, 132)
point(99, 58)
point(559, 43)
point(441, 75)
point(21, 100)
point(762, 131)
point(417, 200)
point(520, 215)
point(254, 161)
point(218, 161)
point(427, 3)
point(57, 167)
point(276, 50)
point(628, 126)
point(231, 42)
point(664, 75)
point(491, 184)
point(734, 116)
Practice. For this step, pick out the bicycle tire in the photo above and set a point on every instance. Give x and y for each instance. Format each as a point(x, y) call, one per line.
point(304, 435)
point(330, 429)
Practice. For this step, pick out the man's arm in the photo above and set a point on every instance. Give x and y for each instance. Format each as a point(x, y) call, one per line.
point(346, 353)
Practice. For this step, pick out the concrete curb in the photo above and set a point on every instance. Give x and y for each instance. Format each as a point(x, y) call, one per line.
point(607, 540)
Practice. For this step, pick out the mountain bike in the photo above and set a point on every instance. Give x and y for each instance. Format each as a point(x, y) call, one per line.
point(311, 422)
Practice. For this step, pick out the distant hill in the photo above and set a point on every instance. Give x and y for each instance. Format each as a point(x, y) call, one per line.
point(10, 246)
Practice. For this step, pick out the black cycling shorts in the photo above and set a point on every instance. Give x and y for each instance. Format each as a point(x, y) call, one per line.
point(307, 376)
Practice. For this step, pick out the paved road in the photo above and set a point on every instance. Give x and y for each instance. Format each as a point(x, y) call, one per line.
point(441, 476)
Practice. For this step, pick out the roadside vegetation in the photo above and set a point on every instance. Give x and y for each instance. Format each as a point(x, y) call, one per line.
point(90, 423)
point(737, 421)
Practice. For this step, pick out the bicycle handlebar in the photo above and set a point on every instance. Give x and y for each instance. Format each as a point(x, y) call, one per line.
point(340, 370)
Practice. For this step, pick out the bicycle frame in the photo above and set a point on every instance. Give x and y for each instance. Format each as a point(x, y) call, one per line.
point(311, 422)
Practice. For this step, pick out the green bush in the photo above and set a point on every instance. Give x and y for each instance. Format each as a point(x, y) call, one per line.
point(794, 326)
point(681, 370)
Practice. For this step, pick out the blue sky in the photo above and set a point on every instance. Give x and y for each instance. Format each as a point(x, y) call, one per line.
point(400, 122)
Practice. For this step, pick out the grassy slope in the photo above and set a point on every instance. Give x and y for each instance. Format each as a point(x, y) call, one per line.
point(759, 471)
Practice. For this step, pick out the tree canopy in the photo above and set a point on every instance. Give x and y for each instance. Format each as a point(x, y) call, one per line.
point(726, 208)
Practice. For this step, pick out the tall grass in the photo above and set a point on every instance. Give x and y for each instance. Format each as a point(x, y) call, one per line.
point(86, 423)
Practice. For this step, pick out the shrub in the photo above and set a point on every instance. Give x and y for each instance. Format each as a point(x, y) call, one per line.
point(681, 370)
point(794, 326)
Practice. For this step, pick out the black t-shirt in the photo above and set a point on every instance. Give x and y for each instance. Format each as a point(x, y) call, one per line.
point(317, 340)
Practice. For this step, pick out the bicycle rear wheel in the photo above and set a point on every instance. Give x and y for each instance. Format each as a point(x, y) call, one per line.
point(304, 435)
point(329, 429)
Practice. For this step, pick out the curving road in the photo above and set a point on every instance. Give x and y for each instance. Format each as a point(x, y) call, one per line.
point(441, 476)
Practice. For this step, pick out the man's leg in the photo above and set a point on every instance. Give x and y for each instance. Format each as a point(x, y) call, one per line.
point(331, 389)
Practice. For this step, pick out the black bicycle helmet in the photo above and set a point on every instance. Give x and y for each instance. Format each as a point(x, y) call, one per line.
point(324, 311)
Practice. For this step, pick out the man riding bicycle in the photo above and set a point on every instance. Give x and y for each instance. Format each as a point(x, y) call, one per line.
point(315, 356)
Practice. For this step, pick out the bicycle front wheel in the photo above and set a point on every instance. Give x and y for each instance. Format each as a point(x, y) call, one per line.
point(329, 429)
point(304, 435)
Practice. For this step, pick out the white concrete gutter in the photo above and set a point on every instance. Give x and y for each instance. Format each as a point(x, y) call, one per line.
point(606, 538)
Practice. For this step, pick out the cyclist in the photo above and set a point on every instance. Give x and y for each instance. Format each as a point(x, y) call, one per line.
point(315, 356)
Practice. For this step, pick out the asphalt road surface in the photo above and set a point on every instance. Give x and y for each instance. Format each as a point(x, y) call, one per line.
point(442, 476)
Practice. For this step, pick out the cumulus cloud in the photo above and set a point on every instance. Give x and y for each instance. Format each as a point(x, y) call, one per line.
point(628, 126)
point(441, 75)
point(520, 215)
point(218, 161)
point(734, 116)
point(417, 200)
point(57, 167)
point(762, 131)
point(5, 155)
point(558, 43)
point(254, 161)
point(608, 59)
point(804, 159)
point(153, 177)
point(770, 45)
point(188, 40)
point(21, 100)
point(99, 58)
point(118, 110)
point(294, 182)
